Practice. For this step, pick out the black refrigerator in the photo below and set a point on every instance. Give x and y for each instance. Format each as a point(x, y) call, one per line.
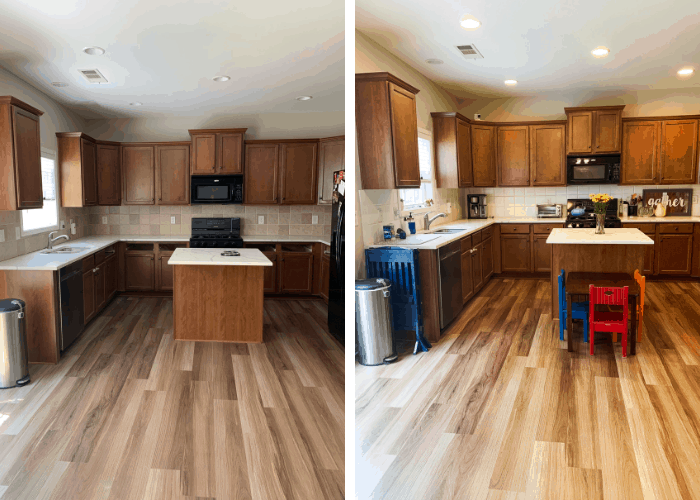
point(336, 289)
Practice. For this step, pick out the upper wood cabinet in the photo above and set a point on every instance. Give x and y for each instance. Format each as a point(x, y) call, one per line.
point(20, 156)
point(261, 173)
point(594, 130)
point(331, 158)
point(387, 131)
point(138, 171)
point(109, 185)
point(77, 159)
point(452, 141)
point(217, 151)
point(640, 152)
point(173, 174)
point(483, 155)
point(679, 148)
point(513, 155)
point(548, 155)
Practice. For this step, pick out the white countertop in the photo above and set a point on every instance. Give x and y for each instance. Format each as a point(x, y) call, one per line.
point(612, 236)
point(214, 257)
point(670, 218)
point(36, 261)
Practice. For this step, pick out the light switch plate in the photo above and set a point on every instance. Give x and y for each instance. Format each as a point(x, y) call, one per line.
point(261, 219)
point(172, 219)
point(695, 199)
point(17, 235)
point(314, 219)
point(2, 235)
point(104, 219)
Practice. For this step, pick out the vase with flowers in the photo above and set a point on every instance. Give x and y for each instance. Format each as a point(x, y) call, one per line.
point(600, 205)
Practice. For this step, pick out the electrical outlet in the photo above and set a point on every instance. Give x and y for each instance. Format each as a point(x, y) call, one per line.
point(2, 235)
point(172, 219)
point(695, 199)
point(63, 224)
point(17, 235)
point(397, 213)
point(261, 219)
point(314, 219)
point(104, 219)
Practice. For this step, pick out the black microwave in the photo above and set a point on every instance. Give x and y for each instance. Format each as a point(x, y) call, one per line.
point(219, 189)
point(601, 169)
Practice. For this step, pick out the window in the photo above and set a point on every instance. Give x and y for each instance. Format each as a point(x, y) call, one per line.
point(43, 219)
point(415, 198)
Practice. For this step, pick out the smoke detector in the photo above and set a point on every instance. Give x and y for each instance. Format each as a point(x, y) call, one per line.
point(470, 51)
point(93, 76)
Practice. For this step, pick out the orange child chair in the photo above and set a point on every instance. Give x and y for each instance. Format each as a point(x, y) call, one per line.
point(641, 281)
point(606, 321)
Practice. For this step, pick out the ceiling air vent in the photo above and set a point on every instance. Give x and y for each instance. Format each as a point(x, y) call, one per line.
point(470, 51)
point(93, 76)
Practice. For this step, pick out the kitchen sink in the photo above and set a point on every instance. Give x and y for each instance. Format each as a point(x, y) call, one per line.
point(446, 231)
point(67, 249)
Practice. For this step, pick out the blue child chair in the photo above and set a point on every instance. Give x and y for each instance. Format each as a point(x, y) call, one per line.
point(579, 310)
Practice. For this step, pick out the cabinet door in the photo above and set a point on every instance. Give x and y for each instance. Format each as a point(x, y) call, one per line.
point(325, 278)
point(88, 296)
point(679, 143)
point(542, 254)
point(110, 266)
point(640, 152)
point(477, 269)
point(464, 154)
point(108, 175)
point(607, 131)
point(548, 155)
point(580, 124)
point(674, 254)
point(298, 169)
point(230, 153)
point(165, 272)
point(140, 271)
point(649, 256)
point(204, 154)
point(404, 129)
point(467, 277)
point(331, 158)
point(88, 154)
point(173, 175)
point(138, 168)
point(100, 296)
point(487, 258)
point(27, 159)
point(270, 274)
point(515, 253)
point(513, 156)
point(261, 170)
point(296, 273)
point(483, 155)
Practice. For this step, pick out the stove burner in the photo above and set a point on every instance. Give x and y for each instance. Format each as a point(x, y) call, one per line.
point(216, 233)
point(588, 219)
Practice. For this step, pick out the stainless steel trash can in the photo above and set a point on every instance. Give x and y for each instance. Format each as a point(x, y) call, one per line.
point(14, 367)
point(373, 326)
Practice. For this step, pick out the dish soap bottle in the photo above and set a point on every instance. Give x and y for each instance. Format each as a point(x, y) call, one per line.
point(411, 223)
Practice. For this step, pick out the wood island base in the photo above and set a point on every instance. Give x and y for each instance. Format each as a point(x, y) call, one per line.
point(218, 303)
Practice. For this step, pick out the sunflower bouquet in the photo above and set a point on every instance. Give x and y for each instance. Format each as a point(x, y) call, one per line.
point(600, 202)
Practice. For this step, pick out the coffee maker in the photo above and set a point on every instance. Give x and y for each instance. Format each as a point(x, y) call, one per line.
point(476, 206)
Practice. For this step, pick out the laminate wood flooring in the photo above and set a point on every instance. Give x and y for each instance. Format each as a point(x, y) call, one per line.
point(130, 413)
point(498, 409)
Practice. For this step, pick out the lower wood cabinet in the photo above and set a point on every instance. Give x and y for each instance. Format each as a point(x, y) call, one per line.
point(487, 258)
point(325, 277)
point(467, 277)
point(140, 272)
point(100, 272)
point(270, 273)
point(111, 267)
point(541, 254)
point(100, 298)
point(89, 309)
point(674, 254)
point(477, 268)
point(164, 273)
point(515, 253)
point(296, 272)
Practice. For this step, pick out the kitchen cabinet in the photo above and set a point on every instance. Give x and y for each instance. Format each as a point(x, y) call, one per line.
point(270, 273)
point(679, 152)
point(164, 278)
point(89, 309)
point(674, 253)
point(172, 174)
point(594, 130)
point(77, 159)
point(483, 155)
point(296, 271)
point(217, 151)
point(453, 150)
point(298, 172)
point(109, 185)
point(261, 173)
point(515, 253)
point(513, 155)
point(99, 283)
point(138, 174)
point(331, 158)
point(640, 152)
point(649, 250)
point(477, 267)
point(541, 254)
point(548, 155)
point(387, 131)
point(20, 156)
point(140, 269)
point(111, 267)
point(467, 276)
point(487, 258)
point(324, 286)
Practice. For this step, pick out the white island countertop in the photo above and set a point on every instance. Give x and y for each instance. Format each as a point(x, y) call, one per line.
point(612, 236)
point(214, 257)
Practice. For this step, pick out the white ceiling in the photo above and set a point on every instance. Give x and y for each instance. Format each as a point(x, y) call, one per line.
point(544, 44)
point(164, 53)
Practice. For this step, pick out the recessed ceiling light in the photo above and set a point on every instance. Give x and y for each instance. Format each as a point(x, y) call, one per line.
point(511, 82)
point(221, 78)
point(469, 22)
point(136, 103)
point(686, 72)
point(304, 98)
point(94, 51)
point(59, 84)
point(600, 52)
point(434, 61)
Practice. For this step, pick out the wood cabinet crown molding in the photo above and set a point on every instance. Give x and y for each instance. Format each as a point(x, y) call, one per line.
point(385, 76)
point(333, 139)
point(460, 116)
point(8, 99)
point(594, 108)
point(659, 118)
point(217, 131)
point(282, 141)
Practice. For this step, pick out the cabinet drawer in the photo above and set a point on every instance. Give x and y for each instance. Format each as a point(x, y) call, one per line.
point(486, 233)
point(683, 228)
point(544, 228)
point(476, 238)
point(466, 243)
point(645, 228)
point(88, 263)
point(100, 256)
point(515, 229)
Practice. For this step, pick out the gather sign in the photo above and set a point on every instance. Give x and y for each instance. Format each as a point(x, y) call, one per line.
point(676, 201)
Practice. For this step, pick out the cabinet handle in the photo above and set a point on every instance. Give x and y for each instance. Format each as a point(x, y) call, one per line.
point(160, 199)
point(153, 258)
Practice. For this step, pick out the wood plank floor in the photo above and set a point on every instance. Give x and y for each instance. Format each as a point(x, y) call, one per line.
point(129, 413)
point(498, 409)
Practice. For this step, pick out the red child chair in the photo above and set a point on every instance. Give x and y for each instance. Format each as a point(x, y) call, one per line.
point(606, 321)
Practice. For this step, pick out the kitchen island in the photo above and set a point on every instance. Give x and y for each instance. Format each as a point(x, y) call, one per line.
point(218, 297)
point(619, 250)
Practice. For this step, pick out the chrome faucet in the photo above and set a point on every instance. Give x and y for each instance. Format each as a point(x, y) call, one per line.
point(53, 240)
point(428, 220)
